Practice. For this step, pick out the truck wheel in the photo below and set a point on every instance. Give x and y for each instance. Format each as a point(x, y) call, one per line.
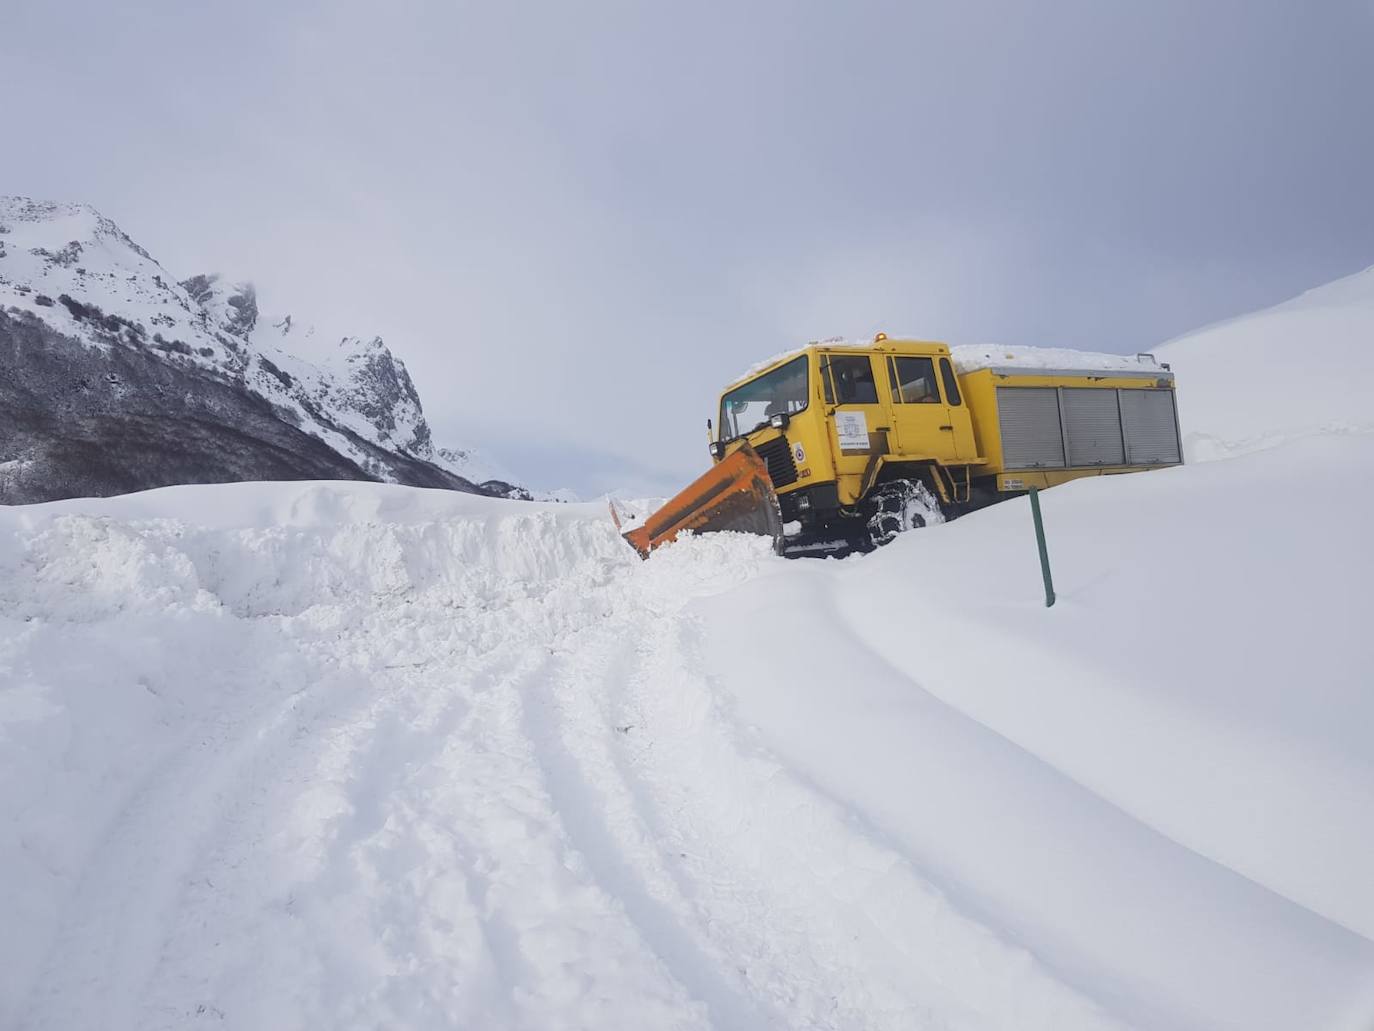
point(898, 506)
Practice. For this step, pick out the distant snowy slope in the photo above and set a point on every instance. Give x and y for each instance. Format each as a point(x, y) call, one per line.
point(1299, 368)
point(471, 464)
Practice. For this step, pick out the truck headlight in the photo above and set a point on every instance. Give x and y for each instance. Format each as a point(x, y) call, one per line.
point(779, 421)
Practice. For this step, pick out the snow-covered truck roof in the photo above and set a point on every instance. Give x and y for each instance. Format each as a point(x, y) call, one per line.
point(976, 357)
point(1000, 358)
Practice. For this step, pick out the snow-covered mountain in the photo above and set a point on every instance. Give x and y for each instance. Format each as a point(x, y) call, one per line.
point(115, 377)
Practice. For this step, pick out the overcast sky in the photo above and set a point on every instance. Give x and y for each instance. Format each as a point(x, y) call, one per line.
point(576, 222)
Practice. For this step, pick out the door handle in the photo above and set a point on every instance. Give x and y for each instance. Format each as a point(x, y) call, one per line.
point(950, 428)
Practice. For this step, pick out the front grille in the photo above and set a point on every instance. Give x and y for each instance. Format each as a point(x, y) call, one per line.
point(777, 454)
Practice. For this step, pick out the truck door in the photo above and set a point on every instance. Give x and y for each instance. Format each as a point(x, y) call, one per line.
point(858, 423)
point(928, 421)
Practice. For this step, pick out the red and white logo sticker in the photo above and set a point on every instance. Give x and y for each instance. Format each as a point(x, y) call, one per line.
point(798, 452)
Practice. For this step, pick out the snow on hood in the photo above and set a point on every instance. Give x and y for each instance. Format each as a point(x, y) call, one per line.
point(758, 367)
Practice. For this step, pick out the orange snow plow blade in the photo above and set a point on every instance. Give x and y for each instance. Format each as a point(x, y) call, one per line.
point(735, 494)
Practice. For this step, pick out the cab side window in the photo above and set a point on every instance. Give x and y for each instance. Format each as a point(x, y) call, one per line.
point(913, 381)
point(951, 382)
point(852, 379)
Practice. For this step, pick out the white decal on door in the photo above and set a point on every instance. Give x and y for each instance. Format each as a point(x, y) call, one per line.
point(852, 429)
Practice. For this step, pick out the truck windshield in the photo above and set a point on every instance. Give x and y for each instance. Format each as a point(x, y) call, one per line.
point(749, 406)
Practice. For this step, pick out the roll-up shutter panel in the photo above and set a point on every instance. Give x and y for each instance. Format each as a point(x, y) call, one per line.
point(1093, 422)
point(1031, 434)
point(1147, 417)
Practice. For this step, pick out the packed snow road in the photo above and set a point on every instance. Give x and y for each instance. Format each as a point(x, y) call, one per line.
point(349, 755)
point(374, 757)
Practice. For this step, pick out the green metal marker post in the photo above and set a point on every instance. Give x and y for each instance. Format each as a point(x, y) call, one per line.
point(1044, 551)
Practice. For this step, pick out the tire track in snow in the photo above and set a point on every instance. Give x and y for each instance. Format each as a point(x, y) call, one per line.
point(404, 809)
point(714, 922)
point(631, 871)
point(419, 800)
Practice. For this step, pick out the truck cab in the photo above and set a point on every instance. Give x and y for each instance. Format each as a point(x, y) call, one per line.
point(834, 421)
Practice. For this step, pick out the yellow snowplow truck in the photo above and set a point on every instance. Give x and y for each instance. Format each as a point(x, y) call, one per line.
point(835, 447)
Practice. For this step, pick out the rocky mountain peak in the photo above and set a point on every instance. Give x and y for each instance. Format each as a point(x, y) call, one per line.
point(375, 383)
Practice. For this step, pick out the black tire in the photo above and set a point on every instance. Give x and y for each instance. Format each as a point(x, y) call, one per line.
point(898, 506)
